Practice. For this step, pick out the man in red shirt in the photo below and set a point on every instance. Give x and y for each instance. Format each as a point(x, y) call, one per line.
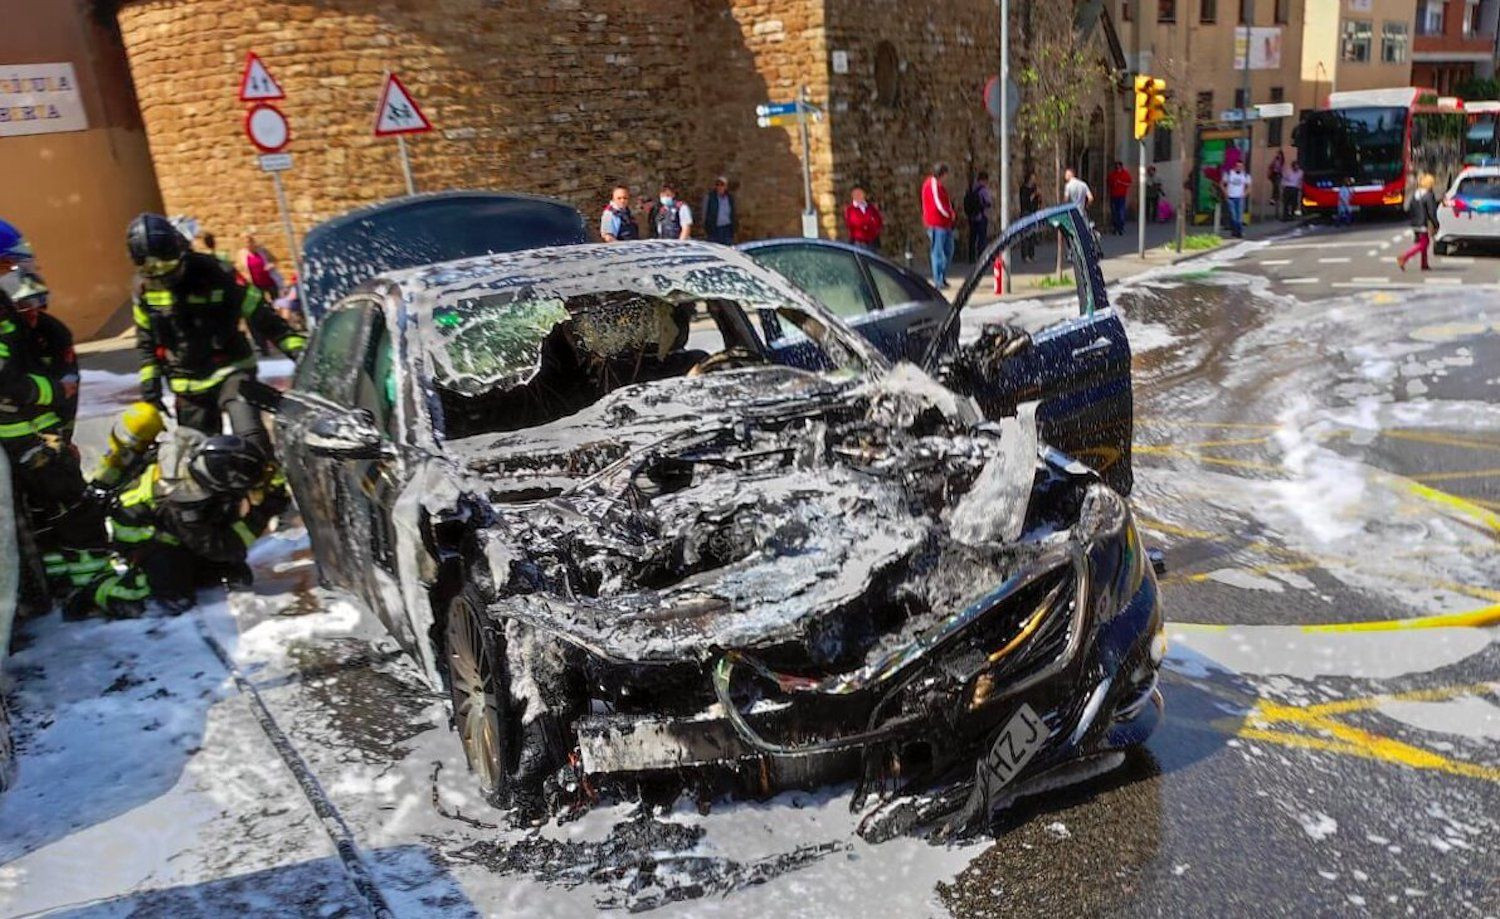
point(863, 219)
point(939, 218)
point(1118, 184)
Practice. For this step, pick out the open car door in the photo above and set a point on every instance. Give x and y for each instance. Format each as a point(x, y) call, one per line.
point(1078, 370)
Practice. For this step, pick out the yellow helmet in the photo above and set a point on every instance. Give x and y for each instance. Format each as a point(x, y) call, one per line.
point(143, 422)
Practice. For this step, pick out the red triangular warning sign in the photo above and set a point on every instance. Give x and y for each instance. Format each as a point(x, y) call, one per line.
point(256, 83)
point(398, 112)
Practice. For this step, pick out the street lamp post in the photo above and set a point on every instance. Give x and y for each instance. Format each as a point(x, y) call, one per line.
point(1003, 91)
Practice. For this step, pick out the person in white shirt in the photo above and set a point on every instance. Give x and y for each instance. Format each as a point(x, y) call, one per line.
point(1236, 192)
point(1291, 190)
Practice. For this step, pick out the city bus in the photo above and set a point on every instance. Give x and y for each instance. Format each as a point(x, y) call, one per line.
point(1382, 139)
point(1481, 141)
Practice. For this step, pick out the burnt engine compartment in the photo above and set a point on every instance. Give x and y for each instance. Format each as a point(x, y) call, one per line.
point(816, 535)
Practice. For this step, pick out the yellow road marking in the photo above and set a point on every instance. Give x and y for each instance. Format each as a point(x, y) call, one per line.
point(1454, 476)
point(1472, 619)
point(1444, 440)
point(1203, 444)
point(1462, 505)
point(1365, 703)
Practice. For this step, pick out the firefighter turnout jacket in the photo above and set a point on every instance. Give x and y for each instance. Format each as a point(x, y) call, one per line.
point(29, 397)
point(188, 331)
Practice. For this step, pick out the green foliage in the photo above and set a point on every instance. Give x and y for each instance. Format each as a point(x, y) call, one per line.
point(1197, 242)
point(1047, 281)
point(1478, 88)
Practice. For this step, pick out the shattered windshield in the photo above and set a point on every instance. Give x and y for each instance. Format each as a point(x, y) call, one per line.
point(525, 351)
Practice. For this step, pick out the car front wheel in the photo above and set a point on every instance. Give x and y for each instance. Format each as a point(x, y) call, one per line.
point(476, 681)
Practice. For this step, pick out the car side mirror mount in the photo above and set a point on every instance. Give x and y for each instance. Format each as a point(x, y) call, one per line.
point(263, 396)
point(352, 436)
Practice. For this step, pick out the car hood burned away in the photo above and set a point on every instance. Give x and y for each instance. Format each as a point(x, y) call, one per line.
point(666, 552)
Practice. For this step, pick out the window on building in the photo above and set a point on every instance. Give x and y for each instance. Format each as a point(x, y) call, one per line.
point(1208, 11)
point(1125, 10)
point(1283, 12)
point(1161, 144)
point(1239, 98)
point(1245, 12)
point(1430, 18)
point(1471, 18)
point(1166, 10)
point(1206, 106)
point(1394, 43)
point(1274, 126)
point(1356, 45)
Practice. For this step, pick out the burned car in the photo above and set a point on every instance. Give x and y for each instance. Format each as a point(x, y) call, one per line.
point(634, 540)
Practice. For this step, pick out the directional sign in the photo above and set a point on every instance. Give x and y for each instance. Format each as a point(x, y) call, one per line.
point(776, 121)
point(275, 162)
point(398, 112)
point(1275, 109)
point(1234, 115)
point(256, 83)
point(776, 108)
point(267, 128)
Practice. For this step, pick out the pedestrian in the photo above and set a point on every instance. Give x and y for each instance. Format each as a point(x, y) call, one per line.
point(617, 224)
point(1117, 183)
point(1029, 199)
point(1424, 221)
point(1236, 193)
point(1274, 174)
point(1153, 195)
point(939, 219)
point(1076, 191)
point(863, 219)
point(1344, 215)
point(256, 265)
point(1291, 190)
point(979, 202)
point(719, 213)
point(187, 331)
point(211, 246)
point(668, 217)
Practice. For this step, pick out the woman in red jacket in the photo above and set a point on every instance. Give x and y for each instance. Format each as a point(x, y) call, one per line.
point(864, 220)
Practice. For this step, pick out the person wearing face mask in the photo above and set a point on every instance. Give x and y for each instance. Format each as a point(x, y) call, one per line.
point(670, 218)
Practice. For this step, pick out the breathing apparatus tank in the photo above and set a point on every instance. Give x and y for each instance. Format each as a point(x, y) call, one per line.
point(131, 441)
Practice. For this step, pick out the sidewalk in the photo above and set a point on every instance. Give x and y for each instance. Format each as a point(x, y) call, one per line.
point(1120, 259)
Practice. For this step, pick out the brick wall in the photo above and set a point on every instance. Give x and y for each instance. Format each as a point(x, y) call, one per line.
point(563, 97)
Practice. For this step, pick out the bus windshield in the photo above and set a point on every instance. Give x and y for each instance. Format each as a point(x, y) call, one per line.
point(1479, 141)
point(1365, 143)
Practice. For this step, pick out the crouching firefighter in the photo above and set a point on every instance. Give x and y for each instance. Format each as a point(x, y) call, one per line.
point(51, 342)
point(63, 529)
point(187, 521)
point(187, 330)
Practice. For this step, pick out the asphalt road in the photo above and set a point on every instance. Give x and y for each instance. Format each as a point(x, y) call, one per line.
point(1310, 455)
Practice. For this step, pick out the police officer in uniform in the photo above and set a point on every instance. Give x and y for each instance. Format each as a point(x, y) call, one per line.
point(187, 521)
point(187, 330)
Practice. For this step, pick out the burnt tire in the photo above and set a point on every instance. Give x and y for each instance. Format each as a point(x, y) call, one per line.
point(512, 758)
point(480, 693)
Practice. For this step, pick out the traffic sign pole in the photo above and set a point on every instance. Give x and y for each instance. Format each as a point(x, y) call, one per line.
point(809, 216)
point(286, 217)
point(411, 188)
point(1140, 202)
point(1001, 89)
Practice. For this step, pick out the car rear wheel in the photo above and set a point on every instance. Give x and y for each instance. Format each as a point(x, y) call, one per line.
point(1442, 247)
point(480, 696)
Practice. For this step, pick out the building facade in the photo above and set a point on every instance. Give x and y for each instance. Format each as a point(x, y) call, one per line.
point(1455, 42)
point(566, 98)
point(73, 153)
point(1200, 48)
point(1357, 44)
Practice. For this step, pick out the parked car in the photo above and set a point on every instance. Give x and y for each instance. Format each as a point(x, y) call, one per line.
point(1079, 367)
point(1470, 212)
point(633, 535)
point(338, 254)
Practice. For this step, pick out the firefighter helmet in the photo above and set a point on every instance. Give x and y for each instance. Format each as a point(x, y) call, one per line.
point(227, 463)
point(156, 248)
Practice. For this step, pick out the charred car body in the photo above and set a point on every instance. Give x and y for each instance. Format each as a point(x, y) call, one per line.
point(635, 539)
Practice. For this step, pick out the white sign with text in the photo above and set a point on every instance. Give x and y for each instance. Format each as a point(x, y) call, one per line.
point(40, 99)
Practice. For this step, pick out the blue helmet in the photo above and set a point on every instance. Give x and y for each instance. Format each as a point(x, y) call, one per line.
point(12, 244)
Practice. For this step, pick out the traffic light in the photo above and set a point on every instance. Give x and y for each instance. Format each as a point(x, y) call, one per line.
point(1150, 104)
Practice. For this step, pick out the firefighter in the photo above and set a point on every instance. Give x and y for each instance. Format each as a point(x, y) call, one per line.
point(187, 521)
point(187, 331)
point(51, 342)
point(66, 528)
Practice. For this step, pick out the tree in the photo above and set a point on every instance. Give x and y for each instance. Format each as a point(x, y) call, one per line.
point(1478, 88)
point(1182, 120)
point(1061, 78)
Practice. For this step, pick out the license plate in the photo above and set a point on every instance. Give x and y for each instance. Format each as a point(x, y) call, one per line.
point(1017, 743)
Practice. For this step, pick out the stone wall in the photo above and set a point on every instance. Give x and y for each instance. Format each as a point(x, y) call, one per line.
point(932, 111)
point(565, 98)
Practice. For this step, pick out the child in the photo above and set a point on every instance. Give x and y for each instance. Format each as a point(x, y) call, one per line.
point(1345, 213)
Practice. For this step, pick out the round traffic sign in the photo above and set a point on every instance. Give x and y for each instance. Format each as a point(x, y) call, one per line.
point(267, 128)
point(992, 97)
